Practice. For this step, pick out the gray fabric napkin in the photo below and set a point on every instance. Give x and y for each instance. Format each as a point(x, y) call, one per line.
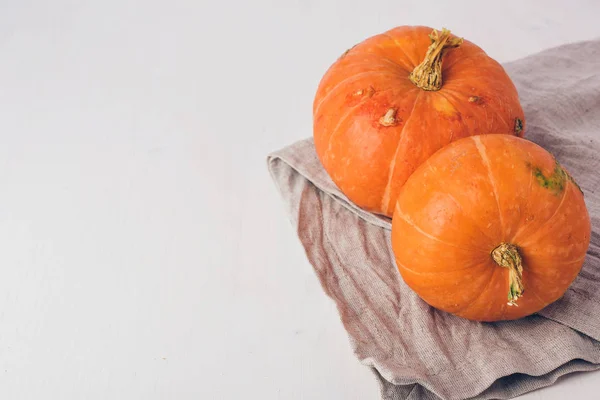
point(418, 352)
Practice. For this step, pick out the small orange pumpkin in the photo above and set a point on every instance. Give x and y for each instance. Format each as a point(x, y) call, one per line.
point(390, 102)
point(490, 228)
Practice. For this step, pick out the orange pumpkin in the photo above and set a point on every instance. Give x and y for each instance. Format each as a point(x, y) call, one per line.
point(391, 101)
point(490, 228)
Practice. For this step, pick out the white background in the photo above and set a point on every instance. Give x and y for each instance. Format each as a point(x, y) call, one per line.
point(144, 251)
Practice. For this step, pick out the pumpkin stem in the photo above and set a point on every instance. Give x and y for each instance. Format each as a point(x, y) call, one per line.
point(428, 74)
point(506, 255)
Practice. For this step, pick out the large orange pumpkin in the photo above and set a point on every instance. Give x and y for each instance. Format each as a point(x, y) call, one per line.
point(391, 101)
point(489, 228)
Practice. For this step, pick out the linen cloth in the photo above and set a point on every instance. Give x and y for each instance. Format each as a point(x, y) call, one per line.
point(416, 351)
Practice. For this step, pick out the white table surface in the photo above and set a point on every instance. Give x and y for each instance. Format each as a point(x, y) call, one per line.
point(144, 251)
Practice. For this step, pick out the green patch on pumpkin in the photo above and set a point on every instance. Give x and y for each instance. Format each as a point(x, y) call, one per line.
point(518, 126)
point(555, 182)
